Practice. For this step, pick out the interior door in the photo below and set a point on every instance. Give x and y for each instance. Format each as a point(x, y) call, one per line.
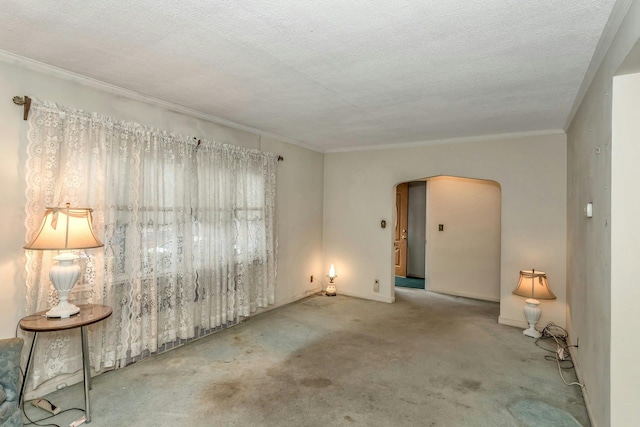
point(402, 220)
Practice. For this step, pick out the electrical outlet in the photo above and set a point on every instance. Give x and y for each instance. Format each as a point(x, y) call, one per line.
point(376, 286)
point(311, 278)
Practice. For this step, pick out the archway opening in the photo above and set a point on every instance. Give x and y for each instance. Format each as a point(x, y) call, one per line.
point(447, 237)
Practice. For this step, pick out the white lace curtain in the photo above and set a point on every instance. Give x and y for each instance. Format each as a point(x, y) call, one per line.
point(188, 228)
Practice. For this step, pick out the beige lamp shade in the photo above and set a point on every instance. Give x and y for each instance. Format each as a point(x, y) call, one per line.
point(65, 228)
point(533, 284)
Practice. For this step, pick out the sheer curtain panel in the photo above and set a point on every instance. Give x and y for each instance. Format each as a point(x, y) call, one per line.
point(189, 232)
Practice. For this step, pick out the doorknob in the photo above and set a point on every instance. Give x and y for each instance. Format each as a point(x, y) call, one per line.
point(404, 237)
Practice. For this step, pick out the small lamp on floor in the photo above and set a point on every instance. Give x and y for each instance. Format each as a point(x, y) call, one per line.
point(534, 286)
point(331, 287)
point(64, 229)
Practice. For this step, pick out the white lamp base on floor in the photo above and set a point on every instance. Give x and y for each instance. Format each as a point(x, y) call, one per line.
point(331, 290)
point(532, 313)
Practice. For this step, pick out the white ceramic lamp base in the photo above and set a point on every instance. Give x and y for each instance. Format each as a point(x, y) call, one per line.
point(532, 313)
point(331, 290)
point(64, 276)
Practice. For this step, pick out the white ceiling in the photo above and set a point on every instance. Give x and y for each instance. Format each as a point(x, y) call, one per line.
point(332, 74)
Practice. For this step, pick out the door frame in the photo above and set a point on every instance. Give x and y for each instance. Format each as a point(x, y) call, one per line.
point(400, 241)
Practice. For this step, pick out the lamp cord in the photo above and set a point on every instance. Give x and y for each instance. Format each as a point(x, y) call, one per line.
point(559, 335)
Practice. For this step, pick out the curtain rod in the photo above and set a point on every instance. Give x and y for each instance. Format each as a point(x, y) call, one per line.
point(280, 158)
point(23, 100)
point(26, 102)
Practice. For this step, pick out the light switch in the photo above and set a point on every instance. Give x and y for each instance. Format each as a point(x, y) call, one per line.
point(588, 210)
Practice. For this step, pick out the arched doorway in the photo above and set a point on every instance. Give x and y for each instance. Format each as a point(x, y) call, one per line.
point(460, 241)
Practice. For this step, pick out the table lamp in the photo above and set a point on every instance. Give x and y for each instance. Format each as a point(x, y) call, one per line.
point(64, 229)
point(533, 285)
point(331, 287)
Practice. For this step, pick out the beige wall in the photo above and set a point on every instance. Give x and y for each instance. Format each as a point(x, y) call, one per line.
point(531, 170)
point(299, 198)
point(300, 181)
point(598, 312)
point(464, 258)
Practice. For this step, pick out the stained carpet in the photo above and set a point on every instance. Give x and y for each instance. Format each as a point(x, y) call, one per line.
point(426, 360)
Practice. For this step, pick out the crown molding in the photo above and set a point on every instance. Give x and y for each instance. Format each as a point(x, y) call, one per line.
point(41, 67)
point(480, 138)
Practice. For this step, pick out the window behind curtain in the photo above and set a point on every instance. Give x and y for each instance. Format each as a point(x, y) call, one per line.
point(189, 232)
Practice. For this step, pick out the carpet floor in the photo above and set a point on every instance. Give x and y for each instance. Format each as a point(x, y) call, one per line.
point(426, 360)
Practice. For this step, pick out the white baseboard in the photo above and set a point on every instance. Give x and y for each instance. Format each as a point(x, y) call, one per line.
point(513, 322)
point(465, 295)
point(372, 297)
point(287, 301)
point(59, 382)
point(585, 392)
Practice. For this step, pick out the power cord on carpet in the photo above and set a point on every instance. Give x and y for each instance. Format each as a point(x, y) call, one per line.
point(561, 353)
point(36, 422)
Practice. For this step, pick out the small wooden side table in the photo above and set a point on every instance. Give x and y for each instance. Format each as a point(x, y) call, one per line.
point(38, 322)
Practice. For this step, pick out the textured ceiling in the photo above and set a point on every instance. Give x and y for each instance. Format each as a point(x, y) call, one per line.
point(330, 73)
